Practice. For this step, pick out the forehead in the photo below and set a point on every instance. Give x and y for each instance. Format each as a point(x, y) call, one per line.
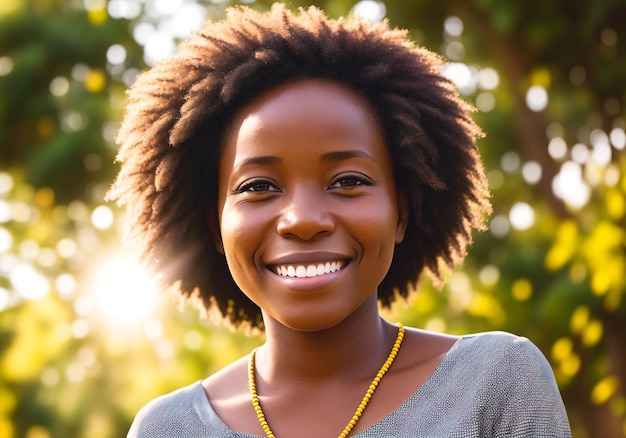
point(310, 93)
point(304, 120)
point(298, 105)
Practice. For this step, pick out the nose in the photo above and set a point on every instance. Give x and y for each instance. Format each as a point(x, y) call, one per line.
point(305, 216)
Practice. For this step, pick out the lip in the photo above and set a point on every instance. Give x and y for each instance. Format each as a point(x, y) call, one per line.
point(314, 268)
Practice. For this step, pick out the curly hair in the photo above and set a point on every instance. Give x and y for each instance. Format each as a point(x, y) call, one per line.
point(178, 112)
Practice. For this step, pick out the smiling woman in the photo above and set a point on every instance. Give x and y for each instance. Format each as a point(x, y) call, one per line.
point(294, 172)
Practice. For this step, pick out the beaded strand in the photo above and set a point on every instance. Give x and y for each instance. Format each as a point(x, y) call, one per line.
point(359, 411)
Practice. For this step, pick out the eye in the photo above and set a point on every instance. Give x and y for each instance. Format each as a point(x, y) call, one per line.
point(351, 181)
point(257, 186)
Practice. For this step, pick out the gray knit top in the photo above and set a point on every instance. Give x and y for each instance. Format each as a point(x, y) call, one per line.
point(488, 385)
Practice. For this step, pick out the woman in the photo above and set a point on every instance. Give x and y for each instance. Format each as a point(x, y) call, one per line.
point(291, 172)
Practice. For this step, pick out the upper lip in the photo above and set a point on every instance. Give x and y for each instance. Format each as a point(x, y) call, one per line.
point(306, 258)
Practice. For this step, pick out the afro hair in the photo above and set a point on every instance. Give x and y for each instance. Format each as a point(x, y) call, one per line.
point(178, 113)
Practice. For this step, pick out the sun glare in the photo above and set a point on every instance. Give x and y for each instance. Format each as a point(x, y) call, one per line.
point(123, 293)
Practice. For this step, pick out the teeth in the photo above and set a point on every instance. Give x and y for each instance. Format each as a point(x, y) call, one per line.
point(302, 271)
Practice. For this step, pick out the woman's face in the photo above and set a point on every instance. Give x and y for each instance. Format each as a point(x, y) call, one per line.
point(307, 206)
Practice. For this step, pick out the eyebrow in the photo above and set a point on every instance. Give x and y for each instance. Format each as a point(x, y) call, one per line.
point(263, 160)
point(345, 155)
point(331, 157)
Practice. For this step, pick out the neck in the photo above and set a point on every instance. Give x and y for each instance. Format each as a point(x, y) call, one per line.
point(355, 347)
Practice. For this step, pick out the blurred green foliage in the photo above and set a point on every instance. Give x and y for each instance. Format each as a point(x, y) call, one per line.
point(80, 353)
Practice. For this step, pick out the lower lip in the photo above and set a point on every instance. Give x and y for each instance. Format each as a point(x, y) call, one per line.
point(310, 283)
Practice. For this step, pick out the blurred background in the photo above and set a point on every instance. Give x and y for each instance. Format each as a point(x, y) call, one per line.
point(84, 339)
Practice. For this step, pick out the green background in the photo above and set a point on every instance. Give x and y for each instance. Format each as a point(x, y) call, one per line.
point(84, 343)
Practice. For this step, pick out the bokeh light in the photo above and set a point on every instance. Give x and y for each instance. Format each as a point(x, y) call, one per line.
point(532, 172)
point(522, 216)
point(453, 26)
point(102, 217)
point(28, 282)
point(557, 148)
point(499, 226)
point(6, 65)
point(618, 138)
point(510, 162)
point(116, 54)
point(6, 240)
point(462, 76)
point(537, 98)
point(370, 10)
point(570, 186)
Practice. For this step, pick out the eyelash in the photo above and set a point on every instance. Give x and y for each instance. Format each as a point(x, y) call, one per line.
point(249, 186)
point(253, 185)
point(361, 180)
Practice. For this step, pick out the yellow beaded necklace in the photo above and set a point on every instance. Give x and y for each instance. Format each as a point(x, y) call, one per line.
point(359, 411)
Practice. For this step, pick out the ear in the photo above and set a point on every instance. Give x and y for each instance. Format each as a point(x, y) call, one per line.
point(214, 228)
point(403, 216)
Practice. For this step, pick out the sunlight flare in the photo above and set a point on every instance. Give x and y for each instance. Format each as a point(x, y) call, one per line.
point(123, 293)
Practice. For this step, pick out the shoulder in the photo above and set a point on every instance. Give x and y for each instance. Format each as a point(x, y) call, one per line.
point(513, 361)
point(498, 338)
point(515, 382)
point(173, 414)
point(504, 350)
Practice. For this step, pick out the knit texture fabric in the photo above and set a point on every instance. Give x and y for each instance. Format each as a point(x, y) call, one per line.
point(491, 384)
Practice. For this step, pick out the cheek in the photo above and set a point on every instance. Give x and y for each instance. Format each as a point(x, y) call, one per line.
point(237, 254)
point(234, 233)
point(231, 226)
point(376, 228)
point(232, 221)
point(241, 235)
point(380, 216)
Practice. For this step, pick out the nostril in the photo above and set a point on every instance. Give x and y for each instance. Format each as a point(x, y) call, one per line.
point(305, 224)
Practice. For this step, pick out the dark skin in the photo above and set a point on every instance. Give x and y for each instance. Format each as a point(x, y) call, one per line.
point(306, 184)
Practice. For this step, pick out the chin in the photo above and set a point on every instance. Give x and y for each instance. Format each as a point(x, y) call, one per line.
point(312, 321)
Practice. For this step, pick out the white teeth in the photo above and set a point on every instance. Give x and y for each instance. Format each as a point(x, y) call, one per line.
point(311, 271)
point(302, 271)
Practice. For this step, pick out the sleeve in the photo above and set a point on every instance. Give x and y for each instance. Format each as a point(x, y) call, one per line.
point(531, 404)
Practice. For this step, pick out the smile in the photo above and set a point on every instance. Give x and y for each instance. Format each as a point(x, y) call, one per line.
point(312, 270)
